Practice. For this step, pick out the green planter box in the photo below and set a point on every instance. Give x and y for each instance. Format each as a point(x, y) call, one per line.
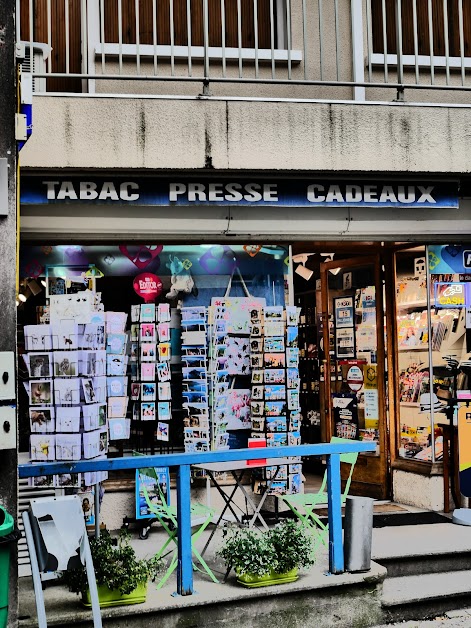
point(252, 581)
point(108, 597)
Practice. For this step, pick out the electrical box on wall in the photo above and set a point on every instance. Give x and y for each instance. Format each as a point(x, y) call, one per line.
point(7, 427)
point(7, 376)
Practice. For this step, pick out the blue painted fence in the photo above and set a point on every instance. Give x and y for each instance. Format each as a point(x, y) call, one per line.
point(183, 462)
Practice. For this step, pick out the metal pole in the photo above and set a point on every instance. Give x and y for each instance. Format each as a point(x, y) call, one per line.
point(184, 566)
point(8, 246)
point(336, 560)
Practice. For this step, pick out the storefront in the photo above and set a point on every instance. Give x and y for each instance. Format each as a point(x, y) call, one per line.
point(361, 362)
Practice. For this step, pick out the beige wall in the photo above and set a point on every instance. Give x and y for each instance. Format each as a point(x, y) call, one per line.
point(161, 134)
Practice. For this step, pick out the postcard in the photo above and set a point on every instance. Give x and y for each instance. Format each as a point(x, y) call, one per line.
point(41, 481)
point(163, 372)
point(278, 487)
point(194, 397)
point(148, 391)
point(147, 332)
point(93, 337)
point(117, 407)
point(148, 371)
point(274, 312)
point(292, 357)
point(42, 420)
point(68, 446)
point(135, 313)
point(148, 411)
point(196, 409)
point(194, 338)
point(275, 408)
point(162, 431)
point(41, 392)
point(66, 363)
point(274, 376)
point(191, 433)
point(293, 399)
point(275, 472)
point(256, 408)
point(164, 351)
point(274, 344)
point(134, 352)
point(65, 335)
point(256, 315)
point(194, 373)
point(295, 483)
point(117, 386)
point(134, 371)
point(274, 328)
point(91, 444)
point(92, 363)
point(257, 377)
point(258, 424)
point(257, 392)
point(196, 421)
point(148, 351)
point(68, 480)
point(256, 345)
point(292, 314)
point(163, 313)
point(147, 312)
point(274, 360)
point(116, 364)
point(221, 441)
point(220, 388)
point(99, 387)
point(163, 331)
point(135, 391)
point(38, 364)
point(296, 467)
point(120, 429)
point(256, 330)
point(256, 361)
point(163, 410)
point(292, 334)
point(294, 438)
point(275, 392)
point(277, 439)
point(116, 343)
point(276, 423)
point(293, 378)
point(294, 424)
point(187, 350)
point(38, 337)
point(94, 416)
point(42, 447)
point(135, 332)
point(193, 313)
point(115, 322)
point(68, 419)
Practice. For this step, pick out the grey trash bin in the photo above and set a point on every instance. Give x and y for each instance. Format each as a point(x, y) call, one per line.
point(358, 533)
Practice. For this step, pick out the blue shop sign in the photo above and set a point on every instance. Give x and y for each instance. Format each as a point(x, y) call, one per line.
point(178, 191)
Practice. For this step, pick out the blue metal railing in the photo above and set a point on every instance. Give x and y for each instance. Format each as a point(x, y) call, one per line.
point(183, 464)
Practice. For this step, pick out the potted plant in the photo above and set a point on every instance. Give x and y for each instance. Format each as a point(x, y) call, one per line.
point(121, 577)
point(268, 557)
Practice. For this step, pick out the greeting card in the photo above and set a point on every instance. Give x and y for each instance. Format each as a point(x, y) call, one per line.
point(65, 335)
point(117, 407)
point(66, 363)
point(116, 364)
point(163, 411)
point(42, 447)
point(38, 364)
point(148, 391)
point(68, 419)
point(92, 363)
point(135, 391)
point(163, 330)
point(68, 446)
point(41, 392)
point(38, 337)
point(148, 411)
point(148, 351)
point(147, 332)
point(148, 371)
point(116, 343)
point(120, 429)
point(117, 386)
point(42, 420)
point(147, 312)
point(163, 313)
point(93, 337)
point(162, 431)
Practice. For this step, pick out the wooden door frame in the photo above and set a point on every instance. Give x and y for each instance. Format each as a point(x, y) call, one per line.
point(375, 260)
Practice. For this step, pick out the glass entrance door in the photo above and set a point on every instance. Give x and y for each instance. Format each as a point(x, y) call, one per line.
point(353, 389)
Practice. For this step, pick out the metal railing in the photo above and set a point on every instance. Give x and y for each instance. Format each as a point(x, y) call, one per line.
point(349, 44)
point(183, 463)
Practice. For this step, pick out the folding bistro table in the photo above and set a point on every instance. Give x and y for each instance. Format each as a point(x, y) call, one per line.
point(237, 469)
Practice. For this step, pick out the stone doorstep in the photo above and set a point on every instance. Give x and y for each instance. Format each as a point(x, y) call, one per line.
point(425, 587)
point(63, 608)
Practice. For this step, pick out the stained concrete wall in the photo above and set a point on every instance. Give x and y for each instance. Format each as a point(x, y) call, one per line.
point(418, 490)
point(161, 134)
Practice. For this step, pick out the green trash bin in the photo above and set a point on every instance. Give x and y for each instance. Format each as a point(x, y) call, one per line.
point(8, 535)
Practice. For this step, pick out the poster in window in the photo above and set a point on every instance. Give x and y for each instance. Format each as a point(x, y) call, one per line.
point(345, 343)
point(345, 412)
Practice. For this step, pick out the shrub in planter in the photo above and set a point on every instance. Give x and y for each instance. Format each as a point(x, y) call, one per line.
point(117, 569)
point(268, 557)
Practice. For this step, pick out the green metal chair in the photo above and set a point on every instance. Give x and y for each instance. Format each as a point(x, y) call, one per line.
point(166, 515)
point(304, 505)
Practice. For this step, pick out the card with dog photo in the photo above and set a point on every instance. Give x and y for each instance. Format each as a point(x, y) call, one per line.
point(38, 364)
point(42, 420)
point(41, 392)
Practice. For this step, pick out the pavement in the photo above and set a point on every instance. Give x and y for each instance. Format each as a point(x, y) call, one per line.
point(452, 619)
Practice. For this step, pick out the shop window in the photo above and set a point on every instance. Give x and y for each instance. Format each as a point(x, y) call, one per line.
point(431, 330)
point(438, 18)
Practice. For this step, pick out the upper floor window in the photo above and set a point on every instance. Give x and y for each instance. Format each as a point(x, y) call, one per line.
point(420, 29)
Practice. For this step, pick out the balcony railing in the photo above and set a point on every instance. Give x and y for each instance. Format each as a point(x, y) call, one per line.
point(183, 463)
point(335, 49)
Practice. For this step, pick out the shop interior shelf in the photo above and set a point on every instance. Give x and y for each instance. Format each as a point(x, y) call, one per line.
point(412, 305)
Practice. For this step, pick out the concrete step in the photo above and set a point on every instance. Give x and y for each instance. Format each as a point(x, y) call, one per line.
point(422, 549)
point(426, 595)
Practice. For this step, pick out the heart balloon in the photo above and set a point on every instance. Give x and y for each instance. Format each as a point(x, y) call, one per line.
point(148, 286)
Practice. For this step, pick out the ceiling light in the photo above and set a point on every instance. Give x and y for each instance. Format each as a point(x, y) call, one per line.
point(43, 282)
point(334, 271)
point(304, 272)
point(21, 297)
